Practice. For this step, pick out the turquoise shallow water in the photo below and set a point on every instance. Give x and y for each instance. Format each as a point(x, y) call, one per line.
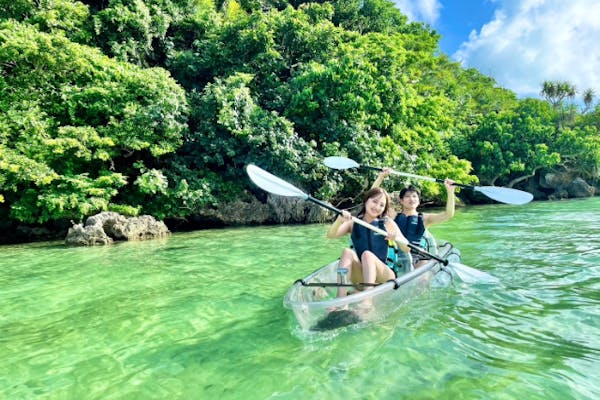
point(200, 316)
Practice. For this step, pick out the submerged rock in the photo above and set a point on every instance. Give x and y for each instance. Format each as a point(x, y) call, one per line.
point(106, 227)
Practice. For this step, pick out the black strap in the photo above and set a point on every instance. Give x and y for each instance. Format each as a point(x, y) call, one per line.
point(335, 284)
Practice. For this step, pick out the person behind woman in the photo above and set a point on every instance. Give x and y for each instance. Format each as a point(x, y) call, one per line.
point(413, 223)
point(367, 262)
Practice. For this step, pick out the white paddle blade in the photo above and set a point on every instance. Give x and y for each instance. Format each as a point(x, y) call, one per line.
point(340, 162)
point(505, 195)
point(472, 275)
point(273, 184)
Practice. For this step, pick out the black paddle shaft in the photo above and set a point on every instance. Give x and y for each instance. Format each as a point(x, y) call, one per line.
point(426, 253)
point(323, 204)
point(410, 245)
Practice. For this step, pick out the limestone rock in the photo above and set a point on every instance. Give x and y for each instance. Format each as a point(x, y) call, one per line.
point(294, 210)
point(559, 194)
point(251, 211)
point(580, 188)
point(111, 223)
point(105, 227)
point(141, 228)
point(239, 212)
point(91, 235)
point(565, 185)
point(555, 180)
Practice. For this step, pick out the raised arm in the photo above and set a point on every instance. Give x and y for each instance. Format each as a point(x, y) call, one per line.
point(432, 219)
point(384, 172)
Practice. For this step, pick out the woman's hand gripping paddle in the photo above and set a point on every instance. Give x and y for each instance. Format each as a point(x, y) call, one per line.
point(278, 186)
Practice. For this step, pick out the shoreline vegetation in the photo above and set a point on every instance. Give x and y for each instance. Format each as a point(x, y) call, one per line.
point(155, 108)
point(267, 214)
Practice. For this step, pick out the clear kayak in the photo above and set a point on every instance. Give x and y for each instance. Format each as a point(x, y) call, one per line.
point(315, 304)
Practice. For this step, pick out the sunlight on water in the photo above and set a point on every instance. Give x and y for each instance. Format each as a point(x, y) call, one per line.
point(200, 315)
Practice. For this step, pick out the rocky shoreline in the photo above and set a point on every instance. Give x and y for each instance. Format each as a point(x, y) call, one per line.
point(108, 227)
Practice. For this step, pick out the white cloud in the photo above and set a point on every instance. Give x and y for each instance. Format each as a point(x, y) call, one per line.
point(531, 41)
point(427, 11)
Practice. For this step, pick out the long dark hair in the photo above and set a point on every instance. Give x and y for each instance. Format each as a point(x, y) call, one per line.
point(375, 192)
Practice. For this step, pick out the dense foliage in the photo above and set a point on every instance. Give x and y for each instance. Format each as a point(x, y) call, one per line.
point(78, 124)
point(156, 106)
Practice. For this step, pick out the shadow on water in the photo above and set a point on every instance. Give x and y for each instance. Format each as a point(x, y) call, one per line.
point(337, 319)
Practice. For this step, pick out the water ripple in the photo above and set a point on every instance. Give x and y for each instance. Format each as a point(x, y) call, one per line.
point(200, 315)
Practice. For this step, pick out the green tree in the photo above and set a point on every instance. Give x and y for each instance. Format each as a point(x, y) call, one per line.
point(75, 123)
point(556, 92)
point(580, 151)
point(341, 91)
point(510, 147)
point(230, 130)
point(364, 16)
point(588, 99)
point(267, 82)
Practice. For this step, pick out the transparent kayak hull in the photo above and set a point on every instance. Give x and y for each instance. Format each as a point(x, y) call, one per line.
point(318, 308)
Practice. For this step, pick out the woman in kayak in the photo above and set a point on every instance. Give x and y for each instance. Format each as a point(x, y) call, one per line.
point(413, 223)
point(367, 262)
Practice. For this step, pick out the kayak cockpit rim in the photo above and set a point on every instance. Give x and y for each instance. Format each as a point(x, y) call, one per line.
point(383, 287)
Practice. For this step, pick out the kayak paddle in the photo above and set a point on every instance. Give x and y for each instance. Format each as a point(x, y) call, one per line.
point(498, 193)
point(278, 186)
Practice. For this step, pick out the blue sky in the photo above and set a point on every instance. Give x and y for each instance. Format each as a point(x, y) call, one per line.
point(520, 43)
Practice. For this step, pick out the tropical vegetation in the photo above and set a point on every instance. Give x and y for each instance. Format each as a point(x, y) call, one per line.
point(156, 106)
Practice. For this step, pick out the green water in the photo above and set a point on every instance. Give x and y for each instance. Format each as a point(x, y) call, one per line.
point(200, 316)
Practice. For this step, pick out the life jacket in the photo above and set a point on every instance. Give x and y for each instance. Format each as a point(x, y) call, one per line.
point(364, 239)
point(387, 251)
point(412, 227)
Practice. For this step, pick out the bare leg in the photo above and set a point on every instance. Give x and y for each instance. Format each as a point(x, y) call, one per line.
point(347, 260)
point(374, 270)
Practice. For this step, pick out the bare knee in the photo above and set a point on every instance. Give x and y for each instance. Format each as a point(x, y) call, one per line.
point(348, 257)
point(367, 258)
point(348, 253)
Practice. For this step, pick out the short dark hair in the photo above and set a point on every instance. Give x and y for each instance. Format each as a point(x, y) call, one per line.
point(409, 189)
